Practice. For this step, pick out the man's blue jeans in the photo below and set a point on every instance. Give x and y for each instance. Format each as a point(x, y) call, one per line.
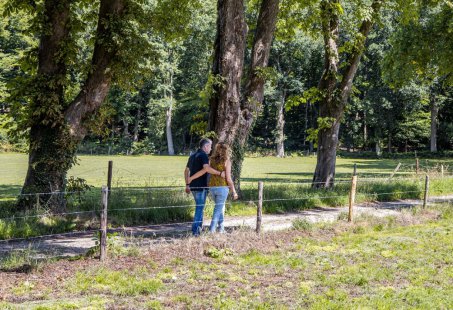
point(219, 194)
point(200, 201)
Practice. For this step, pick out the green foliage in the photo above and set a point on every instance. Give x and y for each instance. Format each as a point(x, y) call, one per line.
point(421, 48)
point(120, 283)
point(302, 224)
point(323, 123)
point(214, 252)
point(312, 95)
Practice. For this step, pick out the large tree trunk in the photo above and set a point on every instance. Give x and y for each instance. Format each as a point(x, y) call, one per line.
point(254, 90)
point(47, 150)
point(227, 70)
point(335, 95)
point(54, 137)
point(324, 175)
point(434, 114)
point(280, 139)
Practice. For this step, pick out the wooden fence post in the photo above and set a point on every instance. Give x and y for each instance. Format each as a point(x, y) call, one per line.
point(442, 170)
point(417, 165)
point(109, 177)
point(395, 171)
point(425, 198)
point(352, 194)
point(103, 230)
point(259, 210)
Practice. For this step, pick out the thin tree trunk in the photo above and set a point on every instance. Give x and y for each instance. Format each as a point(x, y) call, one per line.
point(434, 113)
point(280, 139)
point(378, 148)
point(307, 106)
point(138, 117)
point(171, 150)
point(365, 130)
point(389, 144)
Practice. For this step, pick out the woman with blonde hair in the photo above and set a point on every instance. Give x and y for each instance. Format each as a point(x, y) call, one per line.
point(218, 186)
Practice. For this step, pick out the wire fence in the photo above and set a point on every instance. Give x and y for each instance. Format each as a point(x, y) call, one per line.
point(169, 206)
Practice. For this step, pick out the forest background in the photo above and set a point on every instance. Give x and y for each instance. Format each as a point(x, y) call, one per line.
point(401, 100)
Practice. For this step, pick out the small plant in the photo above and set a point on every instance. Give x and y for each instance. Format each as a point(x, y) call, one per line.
point(19, 261)
point(115, 246)
point(302, 224)
point(213, 252)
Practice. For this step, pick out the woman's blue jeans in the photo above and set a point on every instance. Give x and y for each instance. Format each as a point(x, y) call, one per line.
point(219, 194)
point(200, 201)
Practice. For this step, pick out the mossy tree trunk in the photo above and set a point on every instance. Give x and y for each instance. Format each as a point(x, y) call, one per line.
point(57, 127)
point(253, 95)
point(335, 87)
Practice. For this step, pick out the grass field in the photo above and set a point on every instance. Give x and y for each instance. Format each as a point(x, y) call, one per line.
point(136, 199)
point(168, 170)
point(402, 262)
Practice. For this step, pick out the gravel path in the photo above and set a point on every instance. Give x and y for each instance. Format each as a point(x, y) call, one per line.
point(67, 245)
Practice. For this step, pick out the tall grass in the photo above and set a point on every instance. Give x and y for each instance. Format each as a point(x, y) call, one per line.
point(129, 206)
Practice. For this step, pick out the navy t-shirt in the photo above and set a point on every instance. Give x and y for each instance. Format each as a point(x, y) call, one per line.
point(195, 164)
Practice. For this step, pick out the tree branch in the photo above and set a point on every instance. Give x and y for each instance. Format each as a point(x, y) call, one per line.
point(354, 57)
point(98, 82)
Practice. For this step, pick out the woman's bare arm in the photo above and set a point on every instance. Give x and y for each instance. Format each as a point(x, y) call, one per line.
point(206, 168)
point(229, 179)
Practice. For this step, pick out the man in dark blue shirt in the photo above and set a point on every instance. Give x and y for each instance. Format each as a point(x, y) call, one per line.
point(199, 186)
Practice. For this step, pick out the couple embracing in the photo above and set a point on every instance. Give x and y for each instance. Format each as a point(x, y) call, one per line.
point(218, 183)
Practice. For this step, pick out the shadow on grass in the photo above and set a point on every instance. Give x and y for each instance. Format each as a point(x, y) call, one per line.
point(9, 191)
point(136, 206)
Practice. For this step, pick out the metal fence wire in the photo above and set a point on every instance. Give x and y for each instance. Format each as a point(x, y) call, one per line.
point(170, 203)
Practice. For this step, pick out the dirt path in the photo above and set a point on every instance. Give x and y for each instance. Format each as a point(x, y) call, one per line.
point(67, 245)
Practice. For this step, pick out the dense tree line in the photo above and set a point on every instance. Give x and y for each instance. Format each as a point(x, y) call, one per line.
point(275, 77)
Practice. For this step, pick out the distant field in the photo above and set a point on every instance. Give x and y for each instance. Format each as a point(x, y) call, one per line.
point(168, 170)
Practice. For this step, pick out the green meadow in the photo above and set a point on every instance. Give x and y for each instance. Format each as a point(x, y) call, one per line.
point(150, 170)
point(149, 189)
point(401, 262)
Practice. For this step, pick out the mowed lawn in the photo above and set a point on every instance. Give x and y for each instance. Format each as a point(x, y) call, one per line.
point(168, 170)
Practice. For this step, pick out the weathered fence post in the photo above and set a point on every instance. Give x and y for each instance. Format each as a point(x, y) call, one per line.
point(352, 193)
point(425, 198)
point(442, 171)
point(38, 205)
point(109, 177)
point(103, 230)
point(395, 171)
point(417, 165)
point(259, 210)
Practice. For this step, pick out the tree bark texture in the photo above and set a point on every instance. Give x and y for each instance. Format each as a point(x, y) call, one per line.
point(171, 149)
point(280, 139)
point(253, 95)
point(44, 174)
point(335, 94)
point(254, 89)
point(227, 69)
point(434, 113)
point(54, 136)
